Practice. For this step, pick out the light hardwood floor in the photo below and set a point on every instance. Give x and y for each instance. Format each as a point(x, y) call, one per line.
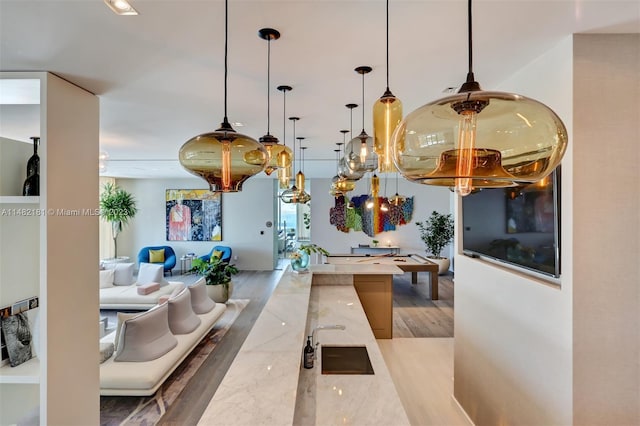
point(422, 368)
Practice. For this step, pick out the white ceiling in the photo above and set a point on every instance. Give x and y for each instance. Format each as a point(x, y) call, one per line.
point(159, 75)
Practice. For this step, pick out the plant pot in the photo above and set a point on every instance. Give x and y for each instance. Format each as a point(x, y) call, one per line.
point(443, 264)
point(219, 292)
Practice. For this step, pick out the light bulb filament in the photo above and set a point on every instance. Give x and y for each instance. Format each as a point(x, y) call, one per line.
point(363, 152)
point(226, 165)
point(466, 145)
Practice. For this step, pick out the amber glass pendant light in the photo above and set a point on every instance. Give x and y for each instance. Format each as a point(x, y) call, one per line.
point(303, 195)
point(387, 114)
point(361, 156)
point(223, 158)
point(477, 139)
point(292, 195)
point(284, 171)
point(279, 155)
point(340, 184)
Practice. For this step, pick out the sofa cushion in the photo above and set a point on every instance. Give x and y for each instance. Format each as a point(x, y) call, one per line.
point(106, 350)
point(200, 300)
point(127, 297)
point(217, 254)
point(146, 336)
point(151, 273)
point(156, 256)
point(123, 273)
point(182, 319)
point(148, 288)
point(121, 317)
point(106, 278)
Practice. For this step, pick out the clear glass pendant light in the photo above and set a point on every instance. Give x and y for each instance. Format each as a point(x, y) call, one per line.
point(224, 158)
point(343, 168)
point(361, 156)
point(478, 139)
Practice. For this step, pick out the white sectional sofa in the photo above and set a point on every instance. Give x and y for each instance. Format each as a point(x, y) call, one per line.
point(152, 344)
point(119, 289)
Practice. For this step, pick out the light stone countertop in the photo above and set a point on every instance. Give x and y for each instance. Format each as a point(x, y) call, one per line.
point(262, 384)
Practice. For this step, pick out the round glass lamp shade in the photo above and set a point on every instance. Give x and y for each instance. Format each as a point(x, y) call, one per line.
point(345, 172)
point(224, 158)
point(279, 157)
point(479, 139)
point(360, 155)
point(387, 115)
point(343, 185)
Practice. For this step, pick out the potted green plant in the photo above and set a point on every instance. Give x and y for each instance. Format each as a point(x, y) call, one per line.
point(375, 243)
point(437, 232)
point(117, 206)
point(217, 275)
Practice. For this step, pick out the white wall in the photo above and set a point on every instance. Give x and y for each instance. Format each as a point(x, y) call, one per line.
point(606, 290)
point(244, 217)
point(513, 333)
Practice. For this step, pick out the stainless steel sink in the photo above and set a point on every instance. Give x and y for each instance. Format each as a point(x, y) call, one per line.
point(345, 360)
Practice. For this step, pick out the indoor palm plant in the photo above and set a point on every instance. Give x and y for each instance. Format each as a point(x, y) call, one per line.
point(436, 232)
point(117, 206)
point(217, 275)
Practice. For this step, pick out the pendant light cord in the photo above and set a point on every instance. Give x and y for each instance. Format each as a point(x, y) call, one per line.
point(226, 66)
point(363, 102)
point(470, 41)
point(268, 82)
point(387, 45)
point(284, 117)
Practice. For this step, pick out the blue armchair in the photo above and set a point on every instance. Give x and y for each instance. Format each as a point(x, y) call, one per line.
point(226, 254)
point(169, 257)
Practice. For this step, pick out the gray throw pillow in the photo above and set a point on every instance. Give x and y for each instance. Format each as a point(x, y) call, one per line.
point(146, 336)
point(182, 319)
point(200, 300)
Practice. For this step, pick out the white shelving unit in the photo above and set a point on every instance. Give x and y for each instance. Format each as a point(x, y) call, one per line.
point(27, 373)
point(15, 199)
point(37, 246)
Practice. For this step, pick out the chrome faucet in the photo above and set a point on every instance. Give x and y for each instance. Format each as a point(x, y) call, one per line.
point(314, 343)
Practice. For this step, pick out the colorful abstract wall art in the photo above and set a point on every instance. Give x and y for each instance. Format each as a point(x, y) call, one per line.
point(347, 215)
point(193, 215)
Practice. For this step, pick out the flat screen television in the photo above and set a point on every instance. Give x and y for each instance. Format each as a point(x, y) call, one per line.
point(518, 226)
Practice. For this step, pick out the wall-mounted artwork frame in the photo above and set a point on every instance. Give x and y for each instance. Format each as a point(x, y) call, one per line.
point(193, 215)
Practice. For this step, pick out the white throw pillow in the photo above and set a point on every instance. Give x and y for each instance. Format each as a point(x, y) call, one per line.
point(146, 336)
point(200, 300)
point(123, 273)
point(182, 319)
point(106, 278)
point(151, 273)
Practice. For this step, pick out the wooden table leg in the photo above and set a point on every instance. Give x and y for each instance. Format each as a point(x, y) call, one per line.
point(434, 285)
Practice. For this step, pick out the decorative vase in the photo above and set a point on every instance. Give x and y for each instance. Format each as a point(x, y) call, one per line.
point(300, 262)
point(32, 183)
point(220, 293)
point(443, 264)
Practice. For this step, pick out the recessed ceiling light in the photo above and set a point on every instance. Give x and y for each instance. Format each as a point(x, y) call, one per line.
point(121, 7)
point(450, 89)
point(237, 124)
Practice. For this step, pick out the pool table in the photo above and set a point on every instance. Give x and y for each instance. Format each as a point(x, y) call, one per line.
point(409, 263)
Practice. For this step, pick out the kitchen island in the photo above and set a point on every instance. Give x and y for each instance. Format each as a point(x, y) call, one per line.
point(267, 385)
